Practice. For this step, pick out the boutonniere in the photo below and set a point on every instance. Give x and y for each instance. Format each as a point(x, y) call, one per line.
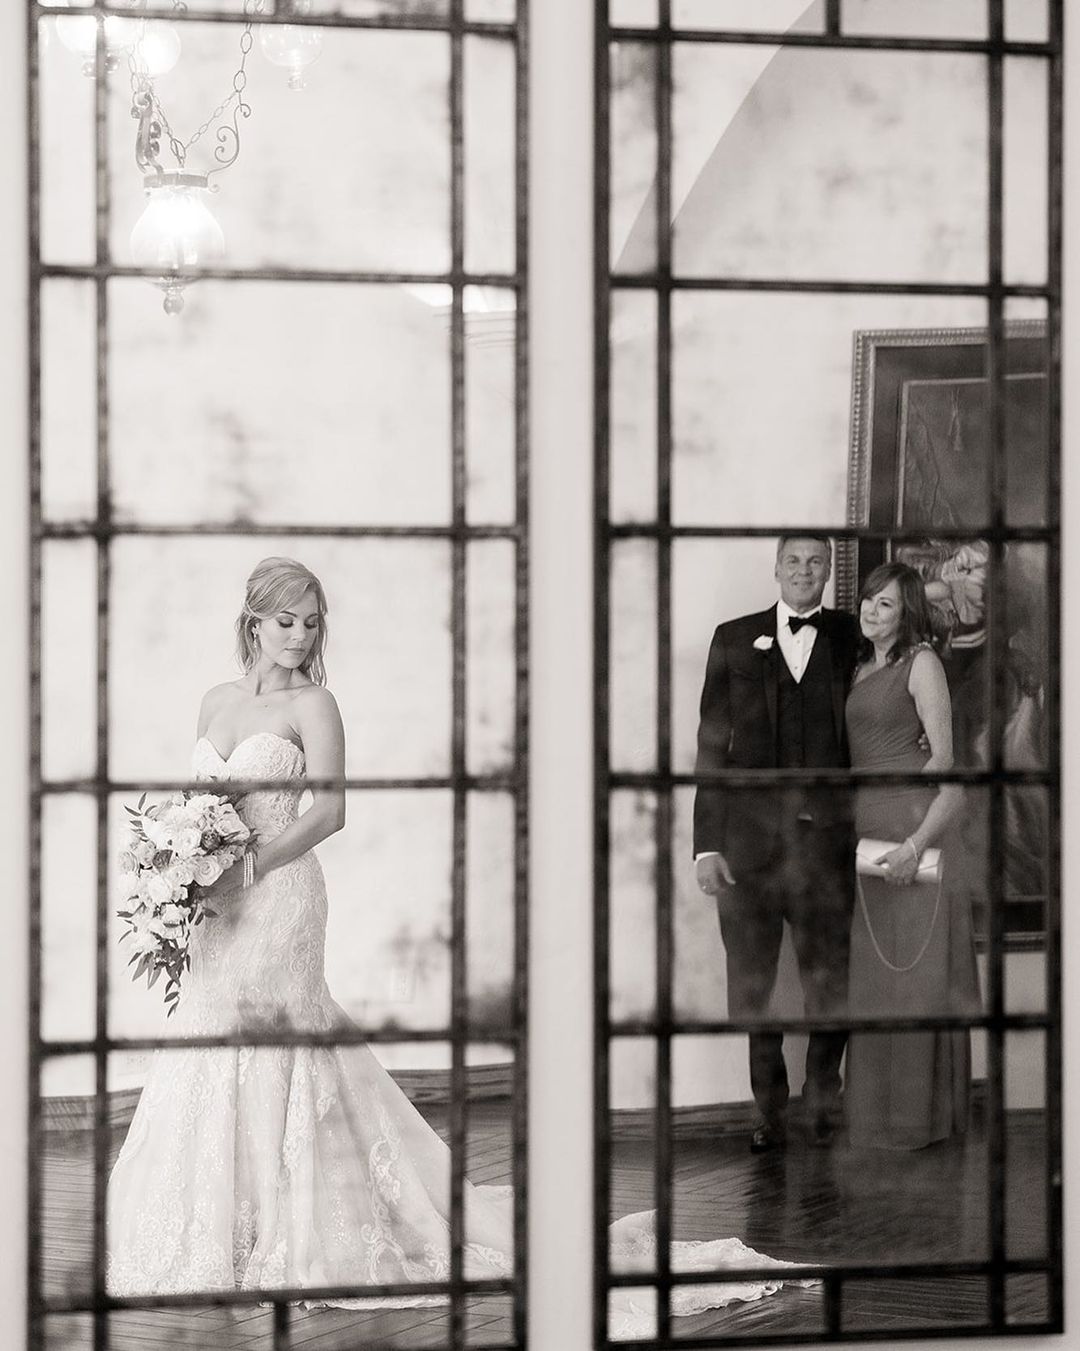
point(764, 642)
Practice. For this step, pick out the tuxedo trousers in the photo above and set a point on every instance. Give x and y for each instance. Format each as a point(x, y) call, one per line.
point(809, 883)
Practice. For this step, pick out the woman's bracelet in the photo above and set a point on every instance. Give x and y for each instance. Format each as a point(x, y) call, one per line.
point(914, 849)
point(249, 868)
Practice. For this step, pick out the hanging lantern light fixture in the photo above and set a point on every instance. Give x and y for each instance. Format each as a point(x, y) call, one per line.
point(160, 41)
point(177, 236)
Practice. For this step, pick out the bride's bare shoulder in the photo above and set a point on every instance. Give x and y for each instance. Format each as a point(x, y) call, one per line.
point(213, 700)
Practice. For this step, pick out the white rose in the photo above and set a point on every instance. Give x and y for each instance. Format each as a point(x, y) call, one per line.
point(186, 840)
point(207, 869)
point(157, 928)
point(159, 834)
point(144, 853)
point(764, 642)
point(172, 915)
point(160, 889)
point(128, 862)
point(180, 872)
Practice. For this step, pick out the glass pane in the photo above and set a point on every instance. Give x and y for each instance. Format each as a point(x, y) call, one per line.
point(700, 978)
point(491, 627)
point(633, 156)
point(66, 1161)
point(1027, 1299)
point(68, 910)
point(757, 16)
point(490, 403)
point(915, 18)
point(175, 604)
point(633, 13)
point(632, 1123)
point(490, 143)
point(380, 203)
point(829, 147)
point(490, 920)
point(924, 1305)
point(1026, 1147)
point(1026, 21)
point(310, 426)
point(632, 929)
point(69, 1332)
point(68, 401)
point(66, 158)
point(1026, 133)
point(762, 382)
point(489, 1321)
point(633, 655)
point(633, 406)
point(68, 658)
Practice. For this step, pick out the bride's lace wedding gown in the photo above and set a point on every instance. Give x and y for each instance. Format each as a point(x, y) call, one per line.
point(273, 1166)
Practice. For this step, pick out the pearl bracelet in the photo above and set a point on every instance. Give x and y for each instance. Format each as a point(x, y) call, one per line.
point(914, 850)
point(249, 868)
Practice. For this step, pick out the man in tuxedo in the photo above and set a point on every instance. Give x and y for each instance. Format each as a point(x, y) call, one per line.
point(774, 694)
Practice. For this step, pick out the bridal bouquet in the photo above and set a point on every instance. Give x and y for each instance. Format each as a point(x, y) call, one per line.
point(176, 847)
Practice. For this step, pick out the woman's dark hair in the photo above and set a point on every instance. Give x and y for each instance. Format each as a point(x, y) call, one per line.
point(916, 623)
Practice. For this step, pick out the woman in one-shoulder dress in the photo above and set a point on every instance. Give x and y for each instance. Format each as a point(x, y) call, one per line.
point(912, 943)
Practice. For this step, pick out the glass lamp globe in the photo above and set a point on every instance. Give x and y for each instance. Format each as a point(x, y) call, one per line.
point(291, 46)
point(78, 33)
point(157, 48)
point(176, 235)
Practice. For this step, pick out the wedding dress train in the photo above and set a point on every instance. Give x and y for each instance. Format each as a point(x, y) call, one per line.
point(262, 1167)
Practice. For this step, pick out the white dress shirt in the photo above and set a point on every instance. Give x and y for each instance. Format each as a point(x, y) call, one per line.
point(796, 647)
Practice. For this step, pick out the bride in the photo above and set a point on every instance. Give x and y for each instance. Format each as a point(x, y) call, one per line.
point(291, 1166)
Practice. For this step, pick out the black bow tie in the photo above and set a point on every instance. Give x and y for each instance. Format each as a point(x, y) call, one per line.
point(796, 622)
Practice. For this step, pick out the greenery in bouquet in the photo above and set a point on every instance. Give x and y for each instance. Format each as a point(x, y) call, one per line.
point(177, 847)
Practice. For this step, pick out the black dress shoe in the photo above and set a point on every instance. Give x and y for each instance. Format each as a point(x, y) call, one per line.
point(822, 1132)
point(767, 1135)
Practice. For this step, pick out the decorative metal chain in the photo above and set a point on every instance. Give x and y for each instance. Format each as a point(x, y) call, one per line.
point(153, 120)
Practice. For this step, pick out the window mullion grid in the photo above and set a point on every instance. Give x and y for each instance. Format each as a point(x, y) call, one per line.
point(35, 1318)
point(458, 761)
point(1052, 914)
point(602, 673)
point(520, 1104)
point(997, 619)
point(102, 216)
point(832, 17)
point(663, 799)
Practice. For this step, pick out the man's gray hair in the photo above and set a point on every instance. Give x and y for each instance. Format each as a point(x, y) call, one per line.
point(795, 534)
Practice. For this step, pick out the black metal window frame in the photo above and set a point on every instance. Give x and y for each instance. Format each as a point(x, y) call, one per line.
point(996, 779)
point(459, 533)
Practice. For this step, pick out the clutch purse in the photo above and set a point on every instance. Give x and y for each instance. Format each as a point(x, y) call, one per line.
point(867, 851)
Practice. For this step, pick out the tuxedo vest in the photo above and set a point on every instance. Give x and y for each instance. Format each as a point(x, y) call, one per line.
point(805, 728)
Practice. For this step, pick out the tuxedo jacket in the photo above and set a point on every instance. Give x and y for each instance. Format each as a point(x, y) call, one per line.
point(738, 730)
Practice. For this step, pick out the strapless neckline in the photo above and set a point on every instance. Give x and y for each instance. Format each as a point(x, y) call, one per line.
point(254, 736)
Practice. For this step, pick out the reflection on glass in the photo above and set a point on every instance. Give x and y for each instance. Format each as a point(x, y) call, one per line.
point(633, 654)
point(1025, 129)
point(1026, 1146)
point(491, 626)
point(68, 401)
point(915, 18)
point(490, 413)
point(66, 1163)
point(633, 156)
point(68, 910)
point(489, 155)
point(633, 905)
point(388, 651)
point(751, 16)
point(632, 1125)
point(69, 1331)
point(490, 921)
point(790, 180)
point(307, 427)
point(66, 158)
point(633, 406)
point(68, 658)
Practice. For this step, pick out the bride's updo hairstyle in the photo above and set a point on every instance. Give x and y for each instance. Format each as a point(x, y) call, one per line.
point(916, 621)
point(275, 585)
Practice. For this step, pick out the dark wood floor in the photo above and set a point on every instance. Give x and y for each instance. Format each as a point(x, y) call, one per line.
point(803, 1204)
